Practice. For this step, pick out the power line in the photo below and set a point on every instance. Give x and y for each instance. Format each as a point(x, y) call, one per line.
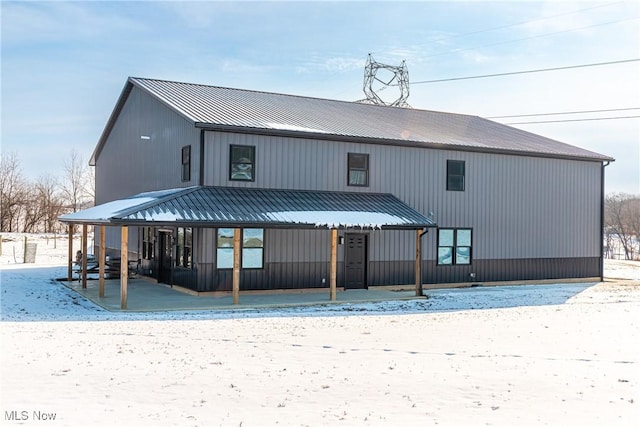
point(532, 37)
point(527, 71)
point(516, 24)
point(564, 112)
point(573, 120)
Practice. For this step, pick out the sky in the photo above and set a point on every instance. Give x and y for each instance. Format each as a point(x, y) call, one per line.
point(64, 64)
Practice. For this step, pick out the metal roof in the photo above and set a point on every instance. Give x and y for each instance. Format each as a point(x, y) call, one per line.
point(253, 207)
point(227, 109)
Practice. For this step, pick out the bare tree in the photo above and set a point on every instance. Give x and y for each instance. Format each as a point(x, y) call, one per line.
point(608, 238)
point(74, 185)
point(12, 191)
point(621, 217)
point(50, 201)
point(90, 186)
point(31, 210)
point(633, 220)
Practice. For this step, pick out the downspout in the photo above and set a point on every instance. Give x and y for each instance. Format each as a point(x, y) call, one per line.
point(425, 231)
point(201, 158)
point(604, 165)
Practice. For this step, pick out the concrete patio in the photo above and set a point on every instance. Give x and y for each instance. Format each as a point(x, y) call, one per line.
point(146, 295)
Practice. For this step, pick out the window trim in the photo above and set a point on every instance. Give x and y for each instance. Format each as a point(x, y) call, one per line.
point(148, 243)
point(218, 248)
point(454, 247)
point(252, 162)
point(242, 249)
point(351, 168)
point(186, 164)
point(188, 262)
point(450, 174)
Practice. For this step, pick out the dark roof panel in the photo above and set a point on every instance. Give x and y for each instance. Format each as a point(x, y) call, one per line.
point(251, 207)
point(226, 108)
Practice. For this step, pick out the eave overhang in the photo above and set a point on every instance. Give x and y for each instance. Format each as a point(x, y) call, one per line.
point(392, 142)
point(240, 207)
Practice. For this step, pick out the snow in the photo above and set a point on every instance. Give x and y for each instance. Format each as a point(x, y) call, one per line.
point(507, 355)
point(286, 126)
point(336, 219)
point(165, 216)
point(107, 210)
point(622, 269)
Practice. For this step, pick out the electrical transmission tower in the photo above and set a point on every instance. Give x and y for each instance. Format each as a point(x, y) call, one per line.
point(399, 77)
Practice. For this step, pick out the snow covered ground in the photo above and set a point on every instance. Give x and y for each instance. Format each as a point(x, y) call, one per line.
point(533, 355)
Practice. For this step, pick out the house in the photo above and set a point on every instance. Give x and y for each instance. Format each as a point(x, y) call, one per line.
point(297, 192)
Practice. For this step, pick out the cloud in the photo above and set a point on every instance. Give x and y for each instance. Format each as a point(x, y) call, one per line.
point(475, 57)
point(557, 16)
point(28, 22)
point(65, 63)
point(331, 64)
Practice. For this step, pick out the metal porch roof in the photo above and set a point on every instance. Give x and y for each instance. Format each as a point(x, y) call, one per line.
point(253, 207)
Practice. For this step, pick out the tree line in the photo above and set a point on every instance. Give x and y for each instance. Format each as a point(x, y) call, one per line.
point(33, 206)
point(622, 225)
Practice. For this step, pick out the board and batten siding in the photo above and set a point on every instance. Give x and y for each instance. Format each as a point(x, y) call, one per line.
point(518, 207)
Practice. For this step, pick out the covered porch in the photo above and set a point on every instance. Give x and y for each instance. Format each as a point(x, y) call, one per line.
point(239, 208)
point(145, 294)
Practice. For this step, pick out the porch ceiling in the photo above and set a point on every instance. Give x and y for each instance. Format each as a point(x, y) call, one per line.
point(255, 207)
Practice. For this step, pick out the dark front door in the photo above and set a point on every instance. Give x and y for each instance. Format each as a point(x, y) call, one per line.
point(355, 260)
point(164, 258)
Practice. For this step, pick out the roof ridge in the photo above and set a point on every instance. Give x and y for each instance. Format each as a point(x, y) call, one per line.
point(316, 98)
point(270, 113)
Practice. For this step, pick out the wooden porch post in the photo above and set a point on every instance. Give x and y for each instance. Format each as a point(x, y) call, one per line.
point(334, 264)
point(84, 256)
point(124, 266)
point(101, 262)
point(70, 264)
point(418, 263)
point(236, 265)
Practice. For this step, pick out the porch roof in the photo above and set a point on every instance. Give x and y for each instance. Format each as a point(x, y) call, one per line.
point(204, 206)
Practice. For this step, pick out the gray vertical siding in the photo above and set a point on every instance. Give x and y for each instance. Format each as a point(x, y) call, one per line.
point(531, 217)
point(129, 165)
point(518, 207)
